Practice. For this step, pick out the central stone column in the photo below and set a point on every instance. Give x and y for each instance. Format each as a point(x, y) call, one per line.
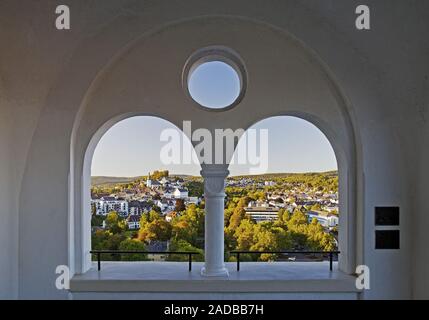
point(214, 195)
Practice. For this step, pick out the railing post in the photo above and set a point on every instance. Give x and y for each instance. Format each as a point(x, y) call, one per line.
point(330, 260)
point(99, 261)
point(190, 262)
point(238, 261)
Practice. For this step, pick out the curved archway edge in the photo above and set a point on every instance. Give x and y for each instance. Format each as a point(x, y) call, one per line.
point(114, 96)
point(291, 76)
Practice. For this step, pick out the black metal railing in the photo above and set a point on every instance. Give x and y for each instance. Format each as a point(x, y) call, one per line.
point(330, 253)
point(98, 253)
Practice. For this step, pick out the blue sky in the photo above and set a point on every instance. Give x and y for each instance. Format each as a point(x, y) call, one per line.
point(132, 147)
point(224, 85)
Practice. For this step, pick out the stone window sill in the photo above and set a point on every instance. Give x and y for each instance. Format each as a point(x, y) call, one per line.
point(175, 277)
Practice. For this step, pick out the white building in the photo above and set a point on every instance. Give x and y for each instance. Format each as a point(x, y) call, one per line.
point(193, 200)
point(331, 208)
point(148, 181)
point(136, 207)
point(107, 204)
point(326, 220)
point(260, 214)
point(169, 193)
point(133, 222)
point(180, 193)
point(166, 205)
point(162, 204)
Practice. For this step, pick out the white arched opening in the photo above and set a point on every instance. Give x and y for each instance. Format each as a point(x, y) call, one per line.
point(131, 84)
point(335, 159)
point(84, 243)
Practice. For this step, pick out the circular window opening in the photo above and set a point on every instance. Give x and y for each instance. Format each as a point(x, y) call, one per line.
point(214, 84)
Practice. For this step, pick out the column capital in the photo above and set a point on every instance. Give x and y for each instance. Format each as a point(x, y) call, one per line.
point(214, 171)
point(214, 181)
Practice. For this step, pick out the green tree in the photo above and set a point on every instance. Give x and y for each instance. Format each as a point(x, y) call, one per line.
point(97, 220)
point(183, 246)
point(195, 188)
point(106, 240)
point(132, 245)
point(244, 234)
point(115, 223)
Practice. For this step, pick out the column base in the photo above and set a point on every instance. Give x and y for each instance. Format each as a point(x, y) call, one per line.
point(215, 273)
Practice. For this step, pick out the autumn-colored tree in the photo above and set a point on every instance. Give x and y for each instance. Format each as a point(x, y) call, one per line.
point(244, 234)
point(115, 223)
point(316, 207)
point(227, 215)
point(149, 217)
point(182, 229)
point(189, 226)
point(283, 217)
point(244, 201)
point(235, 220)
point(158, 229)
point(180, 205)
point(298, 222)
point(157, 174)
point(186, 229)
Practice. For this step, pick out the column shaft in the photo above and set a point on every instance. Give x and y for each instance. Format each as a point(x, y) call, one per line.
point(214, 195)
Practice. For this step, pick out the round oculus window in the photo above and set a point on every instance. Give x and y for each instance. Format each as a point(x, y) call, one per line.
point(215, 79)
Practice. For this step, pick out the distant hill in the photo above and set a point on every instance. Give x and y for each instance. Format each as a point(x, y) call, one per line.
point(268, 176)
point(104, 181)
point(107, 181)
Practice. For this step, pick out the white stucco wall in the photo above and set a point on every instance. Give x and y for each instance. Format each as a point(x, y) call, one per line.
point(46, 74)
point(420, 277)
point(8, 212)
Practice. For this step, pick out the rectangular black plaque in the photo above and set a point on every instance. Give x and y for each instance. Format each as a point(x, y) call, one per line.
point(387, 216)
point(387, 239)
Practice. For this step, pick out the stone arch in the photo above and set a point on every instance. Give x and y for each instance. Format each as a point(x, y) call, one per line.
point(81, 217)
point(345, 165)
point(88, 95)
point(290, 80)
